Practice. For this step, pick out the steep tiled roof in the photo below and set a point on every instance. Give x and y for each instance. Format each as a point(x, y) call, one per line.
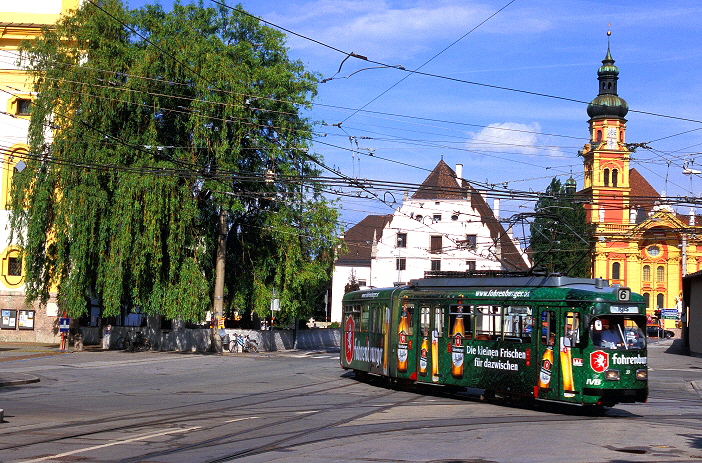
point(359, 239)
point(643, 195)
point(440, 184)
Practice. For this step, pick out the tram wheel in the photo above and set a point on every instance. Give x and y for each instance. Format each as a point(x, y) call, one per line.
point(487, 395)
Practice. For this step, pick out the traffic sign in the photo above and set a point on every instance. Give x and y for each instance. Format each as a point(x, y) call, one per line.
point(64, 324)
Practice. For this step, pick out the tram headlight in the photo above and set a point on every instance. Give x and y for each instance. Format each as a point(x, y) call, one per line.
point(642, 375)
point(612, 375)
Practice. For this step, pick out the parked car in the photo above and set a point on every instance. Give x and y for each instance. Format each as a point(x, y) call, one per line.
point(654, 331)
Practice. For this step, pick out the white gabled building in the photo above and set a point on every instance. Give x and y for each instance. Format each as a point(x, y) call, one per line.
point(445, 225)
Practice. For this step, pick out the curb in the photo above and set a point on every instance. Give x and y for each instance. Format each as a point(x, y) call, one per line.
point(19, 378)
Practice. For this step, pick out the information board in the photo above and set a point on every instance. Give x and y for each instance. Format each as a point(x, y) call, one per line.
point(9, 319)
point(25, 320)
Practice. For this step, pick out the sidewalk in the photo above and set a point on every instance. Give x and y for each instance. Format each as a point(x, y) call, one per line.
point(20, 351)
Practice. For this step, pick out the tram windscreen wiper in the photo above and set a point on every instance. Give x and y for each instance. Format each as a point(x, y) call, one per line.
point(621, 335)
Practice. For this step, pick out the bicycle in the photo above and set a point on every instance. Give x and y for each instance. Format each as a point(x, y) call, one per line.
point(138, 343)
point(244, 343)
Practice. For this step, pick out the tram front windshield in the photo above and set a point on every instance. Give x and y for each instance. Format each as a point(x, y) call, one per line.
point(618, 332)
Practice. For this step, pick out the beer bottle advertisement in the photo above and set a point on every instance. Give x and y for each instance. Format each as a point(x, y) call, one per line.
point(458, 348)
point(546, 366)
point(402, 330)
point(386, 339)
point(423, 356)
point(567, 367)
point(435, 356)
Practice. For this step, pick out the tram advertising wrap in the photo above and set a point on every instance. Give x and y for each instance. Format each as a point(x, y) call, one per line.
point(553, 338)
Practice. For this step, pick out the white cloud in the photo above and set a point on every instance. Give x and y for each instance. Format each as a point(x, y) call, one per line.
point(384, 31)
point(507, 137)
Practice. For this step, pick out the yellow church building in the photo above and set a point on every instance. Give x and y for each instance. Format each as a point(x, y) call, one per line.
point(640, 241)
point(20, 21)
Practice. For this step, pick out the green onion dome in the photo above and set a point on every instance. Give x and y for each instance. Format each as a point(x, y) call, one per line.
point(607, 103)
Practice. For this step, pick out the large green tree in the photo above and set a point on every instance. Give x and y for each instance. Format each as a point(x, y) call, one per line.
point(146, 126)
point(560, 235)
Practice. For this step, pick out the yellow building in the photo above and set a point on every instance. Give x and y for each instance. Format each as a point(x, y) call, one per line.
point(639, 241)
point(19, 21)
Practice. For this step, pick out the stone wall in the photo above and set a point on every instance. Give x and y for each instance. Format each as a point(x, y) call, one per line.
point(198, 340)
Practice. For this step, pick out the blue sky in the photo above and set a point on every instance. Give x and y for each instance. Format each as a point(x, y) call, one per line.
point(539, 46)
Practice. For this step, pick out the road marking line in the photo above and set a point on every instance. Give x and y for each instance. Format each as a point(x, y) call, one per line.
point(95, 447)
point(242, 419)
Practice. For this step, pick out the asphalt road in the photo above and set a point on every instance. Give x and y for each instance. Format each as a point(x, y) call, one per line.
point(295, 406)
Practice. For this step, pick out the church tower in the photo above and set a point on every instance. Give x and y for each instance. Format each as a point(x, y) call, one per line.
point(606, 157)
point(638, 240)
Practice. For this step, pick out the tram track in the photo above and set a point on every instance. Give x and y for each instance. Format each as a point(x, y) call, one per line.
point(275, 444)
point(176, 414)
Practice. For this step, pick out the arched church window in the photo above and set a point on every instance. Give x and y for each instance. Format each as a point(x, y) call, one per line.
point(647, 273)
point(599, 135)
point(660, 300)
point(615, 175)
point(660, 274)
point(616, 267)
point(606, 177)
point(647, 299)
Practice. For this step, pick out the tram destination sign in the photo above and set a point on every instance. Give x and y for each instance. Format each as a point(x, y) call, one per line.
point(623, 309)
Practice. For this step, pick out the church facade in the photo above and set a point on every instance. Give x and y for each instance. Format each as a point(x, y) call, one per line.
point(639, 240)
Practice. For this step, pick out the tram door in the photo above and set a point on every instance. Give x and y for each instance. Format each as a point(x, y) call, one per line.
point(430, 341)
point(547, 375)
point(405, 341)
point(559, 350)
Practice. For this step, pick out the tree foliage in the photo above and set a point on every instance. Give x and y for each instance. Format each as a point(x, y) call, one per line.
point(560, 234)
point(146, 125)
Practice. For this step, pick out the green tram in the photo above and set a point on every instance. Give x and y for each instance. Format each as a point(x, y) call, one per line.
point(551, 338)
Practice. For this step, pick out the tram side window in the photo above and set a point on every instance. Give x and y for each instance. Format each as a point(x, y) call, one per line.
point(572, 328)
point(355, 312)
point(517, 323)
point(467, 316)
point(548, 327)
point(425, 320)
point(410, 319)
point(439, 321)
point(376, 319)
point(365, 313)
point(487, 322)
